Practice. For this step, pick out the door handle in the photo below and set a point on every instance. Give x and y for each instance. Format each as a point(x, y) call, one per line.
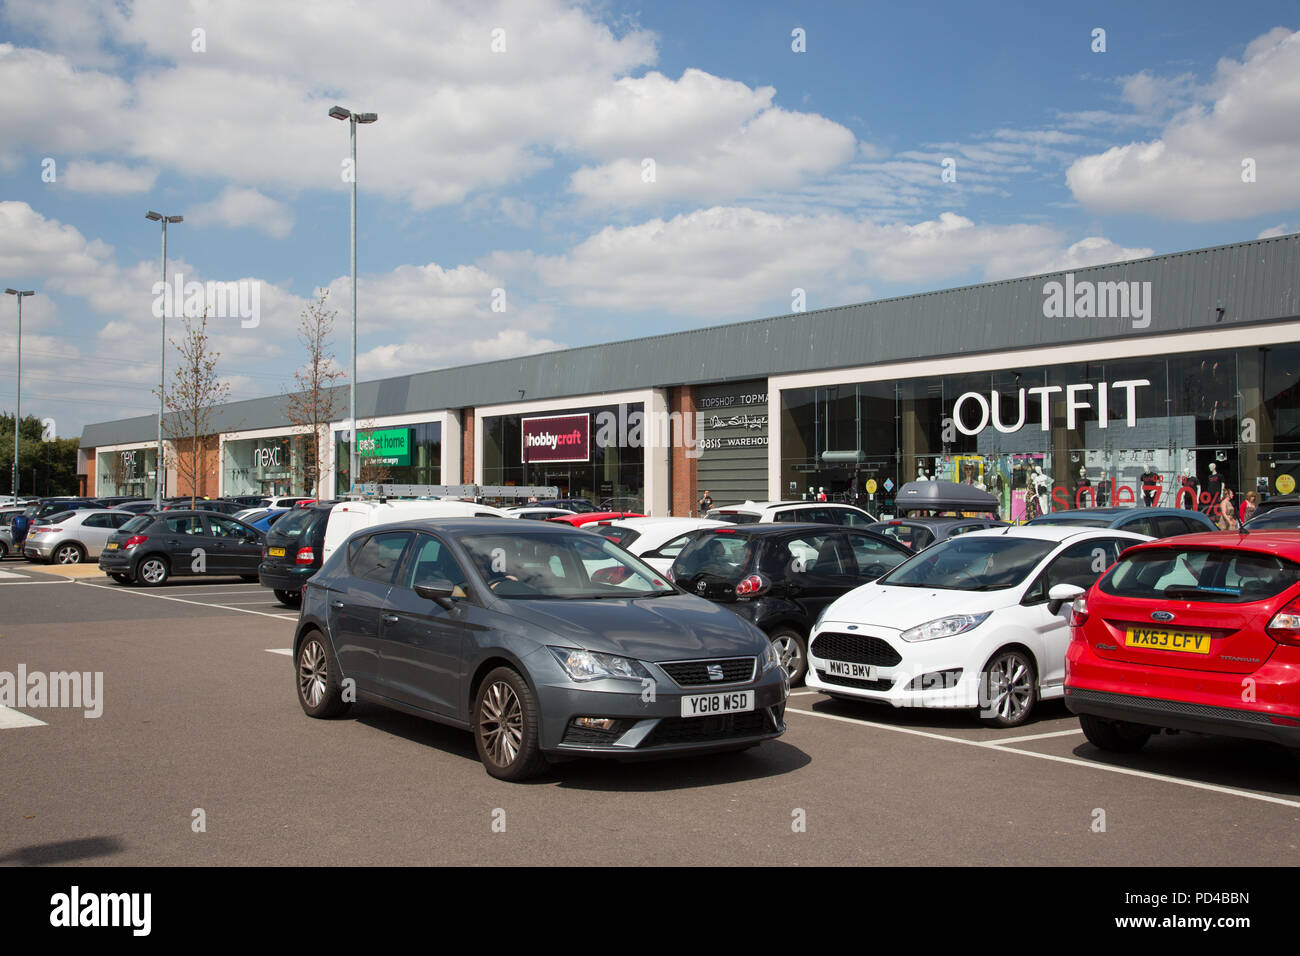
point(337, 604)
point(391, 618)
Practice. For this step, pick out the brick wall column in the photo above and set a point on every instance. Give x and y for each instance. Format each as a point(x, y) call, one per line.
point(467, 425)
point(684, 468)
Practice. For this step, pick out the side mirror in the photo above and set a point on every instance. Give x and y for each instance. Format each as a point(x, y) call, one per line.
point(1062, 595)
point(440, 592)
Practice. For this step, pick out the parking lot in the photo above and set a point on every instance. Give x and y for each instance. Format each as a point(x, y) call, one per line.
point(203, 756)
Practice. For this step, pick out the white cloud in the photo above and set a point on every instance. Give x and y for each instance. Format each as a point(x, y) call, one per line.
point(237, 207)
point(1282, 229)
point(1193, 171)
point(1090, 251)
point(709, 139)
point(113, 179)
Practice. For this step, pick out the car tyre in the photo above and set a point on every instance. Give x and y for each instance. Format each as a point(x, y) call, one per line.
point(291, 599)
point(1116, 736)
point(249, 577)
point(152, 571)
point(506, 723)
point(120, 578)
point(319, 681)
point(4, 550)
point(1008, 689)
point(792, 648)
point(70, 553)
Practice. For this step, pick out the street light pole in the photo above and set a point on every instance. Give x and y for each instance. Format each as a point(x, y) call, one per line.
point(339, 113)
point(18, 404)
point(159, 473)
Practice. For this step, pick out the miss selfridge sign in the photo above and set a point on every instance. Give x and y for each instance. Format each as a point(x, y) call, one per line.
point(1085, 299)
point(973, 412)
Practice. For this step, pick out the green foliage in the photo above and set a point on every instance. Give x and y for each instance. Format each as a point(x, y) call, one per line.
point(45, 468)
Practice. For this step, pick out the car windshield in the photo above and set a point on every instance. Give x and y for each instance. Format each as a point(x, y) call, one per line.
point(294, 523)
point(138, 523)
point(620, 536)
point(733, 517)
point(561, 566)
point(914, 536)
point(1189, 574)
point(722, 556)
point(58, 516)
point(1280, 518)
point(971, 563)
point(1072, 521)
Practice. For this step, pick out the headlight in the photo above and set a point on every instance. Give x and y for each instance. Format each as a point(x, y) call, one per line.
point(583, 665)
point(944, 627)
point(770, 658)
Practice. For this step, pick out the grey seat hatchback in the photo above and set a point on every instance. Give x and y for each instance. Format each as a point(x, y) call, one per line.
point(546, 642)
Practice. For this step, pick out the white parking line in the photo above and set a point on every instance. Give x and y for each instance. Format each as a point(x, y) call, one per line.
point(164, 597)
point(12, 574)
point(1016, 740)
point(286, 651)
point(986, 745)
point(13, 719)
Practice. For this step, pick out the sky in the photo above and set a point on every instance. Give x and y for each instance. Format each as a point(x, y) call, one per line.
point(546, 174)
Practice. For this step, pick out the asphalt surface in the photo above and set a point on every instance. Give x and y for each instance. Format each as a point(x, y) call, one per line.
point(199, 714)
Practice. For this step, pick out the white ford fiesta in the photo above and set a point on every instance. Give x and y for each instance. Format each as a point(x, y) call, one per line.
point(980, 621)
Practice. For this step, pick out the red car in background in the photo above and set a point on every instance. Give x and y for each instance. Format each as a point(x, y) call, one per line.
point(1198, 633)
point(578, 520)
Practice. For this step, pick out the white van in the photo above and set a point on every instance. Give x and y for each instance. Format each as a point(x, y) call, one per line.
point(349, 516)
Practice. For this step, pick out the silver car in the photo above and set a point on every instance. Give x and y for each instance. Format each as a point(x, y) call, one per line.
point(70, 537)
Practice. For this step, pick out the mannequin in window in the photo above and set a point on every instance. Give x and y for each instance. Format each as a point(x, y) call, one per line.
point(921, 475)
point(1042, 489)
point(1083, 499)
point(1150, 485)
point(1213, 487)
point(1188, 491)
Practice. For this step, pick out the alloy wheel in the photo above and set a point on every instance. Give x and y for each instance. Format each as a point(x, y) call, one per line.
point(789, 653)
point(313, 673)
point(153, 571)
point(1010, 687)
point(501, 724)
point(68, 554)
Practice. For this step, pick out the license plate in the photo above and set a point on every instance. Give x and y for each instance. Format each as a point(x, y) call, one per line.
point(275, 552)
point(846, 669)
point(1165, 639)
point(711, 705)
point(111, 546)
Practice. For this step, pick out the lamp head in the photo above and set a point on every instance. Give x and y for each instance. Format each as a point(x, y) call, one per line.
point(153, 216)
point(339, 113)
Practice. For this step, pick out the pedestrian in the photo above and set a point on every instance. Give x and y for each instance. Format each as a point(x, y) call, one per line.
point(1227, 518)
point(18, 525)
point(706, 502)
point(1248, 506)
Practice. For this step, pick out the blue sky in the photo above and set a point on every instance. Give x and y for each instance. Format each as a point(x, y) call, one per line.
point(524, 169)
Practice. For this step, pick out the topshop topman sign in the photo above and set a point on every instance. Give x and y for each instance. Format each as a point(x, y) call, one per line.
point(972, 412)
point(387, 446)
point(556, 438)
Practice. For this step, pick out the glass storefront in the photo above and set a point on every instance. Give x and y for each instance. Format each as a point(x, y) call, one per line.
point(131, 472)
point(265, 466)
point(392, 454)
point(611, 469)
point(1173, 431)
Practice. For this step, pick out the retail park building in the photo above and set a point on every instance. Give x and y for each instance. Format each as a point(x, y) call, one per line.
point(1074, 384)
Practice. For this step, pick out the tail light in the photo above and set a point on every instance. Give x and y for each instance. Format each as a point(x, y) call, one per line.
point(134, 540)
point(1285, 626)
point(305, 556)
point(1079, 611)
point(753, 585)
point(669, 575)
point(44, 529)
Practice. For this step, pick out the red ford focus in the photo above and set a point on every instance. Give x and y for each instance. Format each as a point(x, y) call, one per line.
point(1198, 633)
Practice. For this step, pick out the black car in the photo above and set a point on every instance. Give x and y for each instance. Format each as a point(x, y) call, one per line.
point(920, 533)
point(223, 506)
point(293, 552)
point(545, 641)
point(1275, 518)
point(781, 576)
point(151, 548)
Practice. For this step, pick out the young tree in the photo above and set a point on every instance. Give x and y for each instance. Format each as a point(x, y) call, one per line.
point(193, 397)
point(316, 401)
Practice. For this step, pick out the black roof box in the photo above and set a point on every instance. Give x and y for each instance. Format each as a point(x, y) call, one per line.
point(943, 496)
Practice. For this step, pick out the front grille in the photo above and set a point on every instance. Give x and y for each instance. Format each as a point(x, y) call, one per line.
point(883, 683)
point(855, 649)
point(735, 670)
point(1157, 706)
point(688, 730)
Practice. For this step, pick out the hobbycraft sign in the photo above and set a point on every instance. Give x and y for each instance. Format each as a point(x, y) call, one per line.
point(557, 438)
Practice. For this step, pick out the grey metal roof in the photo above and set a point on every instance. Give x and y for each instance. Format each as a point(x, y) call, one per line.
point(1252, 282)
